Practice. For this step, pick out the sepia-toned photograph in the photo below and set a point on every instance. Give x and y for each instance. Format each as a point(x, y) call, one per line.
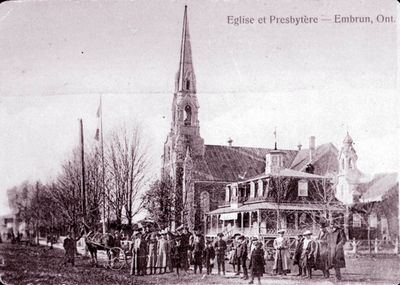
point(199, 142)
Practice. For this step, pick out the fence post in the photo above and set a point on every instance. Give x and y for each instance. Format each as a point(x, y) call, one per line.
point(354, 244)
point(376, 245)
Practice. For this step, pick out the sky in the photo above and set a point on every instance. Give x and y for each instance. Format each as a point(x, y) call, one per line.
point(324, 79)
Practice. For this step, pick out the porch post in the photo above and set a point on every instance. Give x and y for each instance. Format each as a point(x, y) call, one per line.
point(259, 221)
point(296, 220)
point(241, 221)
point(217, 222)
point(313, 224)
point(250, 221)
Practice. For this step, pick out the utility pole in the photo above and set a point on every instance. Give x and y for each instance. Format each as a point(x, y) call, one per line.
point(102, 164)
point(37, 213)
point(83, 182)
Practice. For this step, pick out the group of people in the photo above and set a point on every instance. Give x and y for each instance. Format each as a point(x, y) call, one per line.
point(164, 251)
point(323, 253)
point(158, 252)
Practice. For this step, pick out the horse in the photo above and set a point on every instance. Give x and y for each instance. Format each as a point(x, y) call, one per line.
point(97, 241)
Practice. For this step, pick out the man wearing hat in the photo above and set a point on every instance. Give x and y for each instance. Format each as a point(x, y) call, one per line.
point(220, 248)
point(337, 239)
point(209, 256)
point(307, 258)
point(184, 248)
point(198, 248)
point(139, 254)
point(323, 261)
point(257, 262)
point(242, 257)
point(297, 253)
point(281, 245)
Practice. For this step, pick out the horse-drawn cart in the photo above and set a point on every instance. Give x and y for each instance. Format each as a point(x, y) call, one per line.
point(117, 257)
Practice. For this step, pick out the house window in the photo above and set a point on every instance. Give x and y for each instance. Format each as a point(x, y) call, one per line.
point(356, 220)
point(303, 188)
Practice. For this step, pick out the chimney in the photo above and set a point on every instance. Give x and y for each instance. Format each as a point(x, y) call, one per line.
point(299, 146)
point(312, 148)
point(230, 141)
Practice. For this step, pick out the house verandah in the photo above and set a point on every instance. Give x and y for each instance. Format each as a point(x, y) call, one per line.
point(263, 219)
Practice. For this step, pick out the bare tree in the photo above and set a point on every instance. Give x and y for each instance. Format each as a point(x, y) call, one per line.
point(126, 165)
point(159, 200)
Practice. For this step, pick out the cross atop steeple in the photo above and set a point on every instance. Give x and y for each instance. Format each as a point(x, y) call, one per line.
point(185, 80)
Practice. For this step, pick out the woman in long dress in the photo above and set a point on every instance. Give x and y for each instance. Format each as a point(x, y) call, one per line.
point(162, 247)
point(281, 245)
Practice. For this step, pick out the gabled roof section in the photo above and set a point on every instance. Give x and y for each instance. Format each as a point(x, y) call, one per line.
point(302, 158)
point(376, 189)
point(286, 172)
point(233, 163)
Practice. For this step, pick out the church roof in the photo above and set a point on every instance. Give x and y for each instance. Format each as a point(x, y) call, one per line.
point(232, 163)
point(375, 189)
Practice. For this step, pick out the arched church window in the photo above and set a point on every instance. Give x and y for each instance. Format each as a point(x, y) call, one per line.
point(187, 84)
point(205, 201)
point(350, 164)
point(188, 115)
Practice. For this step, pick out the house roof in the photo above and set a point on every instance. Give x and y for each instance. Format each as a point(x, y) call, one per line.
point(271, 205)
point(302, 158)
point(289, 173)
point(375, 189)
point(232, 163)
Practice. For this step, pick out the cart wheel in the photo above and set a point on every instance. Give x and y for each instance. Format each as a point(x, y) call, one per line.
point(118, 258)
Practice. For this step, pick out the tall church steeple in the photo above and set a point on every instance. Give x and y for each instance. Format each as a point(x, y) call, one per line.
point(185, 126)
point(185, 78)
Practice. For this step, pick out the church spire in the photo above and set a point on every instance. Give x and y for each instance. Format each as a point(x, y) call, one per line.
point(185, 80)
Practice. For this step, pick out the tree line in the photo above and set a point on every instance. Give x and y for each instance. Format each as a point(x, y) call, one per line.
point(114, 189)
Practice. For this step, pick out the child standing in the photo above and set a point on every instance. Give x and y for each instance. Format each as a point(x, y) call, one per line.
point(209, 255)
point(257, 263)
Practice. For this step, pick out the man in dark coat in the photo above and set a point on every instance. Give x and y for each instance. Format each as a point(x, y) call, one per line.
point(323, 260)
point(220, 248)
point(337, 239)
point(184, 248)
point(209, 255)
point(297, 253)
point(69, 247)
point(257, 262)
point(242, 256)
point(198, 248)
point(139, 255)
point(307, 258)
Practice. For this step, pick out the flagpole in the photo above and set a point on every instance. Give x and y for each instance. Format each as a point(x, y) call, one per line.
point(103, 168)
